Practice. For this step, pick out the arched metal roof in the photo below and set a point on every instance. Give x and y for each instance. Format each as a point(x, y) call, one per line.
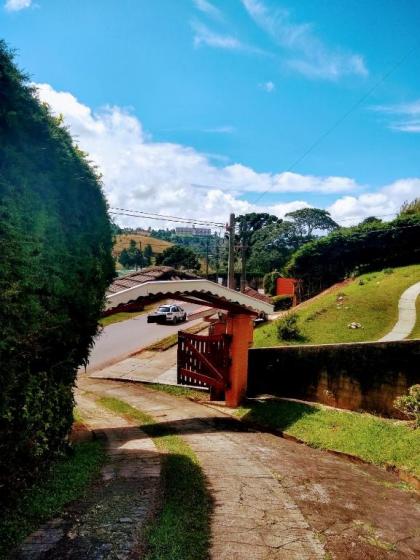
point(196, 291)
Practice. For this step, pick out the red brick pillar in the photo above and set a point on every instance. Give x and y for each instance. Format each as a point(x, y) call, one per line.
point(241, 329)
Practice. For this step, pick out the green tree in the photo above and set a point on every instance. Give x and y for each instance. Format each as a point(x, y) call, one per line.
point(248, 225)
point(124, 259)
point(56, 263)
point(370, 220)
point(135, 255)
point(309, 220)
point(179, 257)
point(346, 251)
point(147, 255)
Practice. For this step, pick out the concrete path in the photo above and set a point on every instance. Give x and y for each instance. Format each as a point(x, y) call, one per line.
point(406, 315)
point(147, 367)
point(276, 499)
point(106, 524)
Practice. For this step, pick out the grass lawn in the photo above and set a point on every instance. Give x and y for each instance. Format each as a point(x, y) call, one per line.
point(66, 481)
point(172, 339)
point(379, 441)
point(415, 333)
point(181, 530)
point(370, 299)
point(179, 391)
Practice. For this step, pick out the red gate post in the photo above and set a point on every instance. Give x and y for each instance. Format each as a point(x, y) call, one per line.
point(241, 329)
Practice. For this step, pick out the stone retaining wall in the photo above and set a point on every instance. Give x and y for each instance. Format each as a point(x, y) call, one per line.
point(357, 376)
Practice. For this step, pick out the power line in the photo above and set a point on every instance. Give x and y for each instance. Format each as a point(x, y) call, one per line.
point(344, 116)
point(164, 217)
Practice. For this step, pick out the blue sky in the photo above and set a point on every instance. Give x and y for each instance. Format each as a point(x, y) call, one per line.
point(170, 94)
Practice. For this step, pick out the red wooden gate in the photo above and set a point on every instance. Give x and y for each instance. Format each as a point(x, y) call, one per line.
point(204, 360)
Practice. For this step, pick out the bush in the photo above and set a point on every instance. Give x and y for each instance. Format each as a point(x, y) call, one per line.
point(287, 327)
point(270, 282)
point(282, 302)
point(410, 404)
point(55, 266)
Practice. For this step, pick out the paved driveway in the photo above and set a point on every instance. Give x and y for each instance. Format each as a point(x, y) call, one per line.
point(278, 500)
point(119, 340)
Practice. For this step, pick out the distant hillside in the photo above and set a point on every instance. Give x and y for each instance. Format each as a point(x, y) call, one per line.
point(123, 241)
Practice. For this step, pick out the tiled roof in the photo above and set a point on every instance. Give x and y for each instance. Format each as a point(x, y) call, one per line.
point(149, 274)
point(253, 293)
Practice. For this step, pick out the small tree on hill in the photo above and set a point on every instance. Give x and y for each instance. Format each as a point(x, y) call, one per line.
point(124, 258)
point(179, 257)
point(147, 255)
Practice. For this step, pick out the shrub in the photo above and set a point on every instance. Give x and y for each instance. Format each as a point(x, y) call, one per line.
point(388, 270)
point(287, 327)
point(410, 404)
point(55, 266)
point(282, 302)
point(270, 282)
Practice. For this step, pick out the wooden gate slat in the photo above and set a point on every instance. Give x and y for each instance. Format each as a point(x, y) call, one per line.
point(201, 357)
point(203, 360)
point(204, 378)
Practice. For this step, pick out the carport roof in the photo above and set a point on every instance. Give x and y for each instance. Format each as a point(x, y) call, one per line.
point(194, 291)
point(148, 274)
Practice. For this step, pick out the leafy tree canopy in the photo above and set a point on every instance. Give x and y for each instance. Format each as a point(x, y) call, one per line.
point(179, 257)
point(309, 220)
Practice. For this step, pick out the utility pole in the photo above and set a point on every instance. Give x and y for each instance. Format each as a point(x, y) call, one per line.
point(243, 266)
point(231, 257)
point(207, 256)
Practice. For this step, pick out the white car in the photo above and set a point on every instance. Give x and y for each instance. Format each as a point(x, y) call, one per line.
point(170, 313)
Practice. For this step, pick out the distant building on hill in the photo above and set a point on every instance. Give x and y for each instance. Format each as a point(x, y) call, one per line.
point(196, 231)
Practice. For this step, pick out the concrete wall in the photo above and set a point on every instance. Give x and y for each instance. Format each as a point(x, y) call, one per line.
point(358, 376)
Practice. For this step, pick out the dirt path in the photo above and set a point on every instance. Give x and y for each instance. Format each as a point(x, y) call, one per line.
point(108, 522)
point(275, 499)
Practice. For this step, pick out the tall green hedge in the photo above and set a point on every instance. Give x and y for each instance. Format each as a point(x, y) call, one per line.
point(371, 246)
point(55, 264)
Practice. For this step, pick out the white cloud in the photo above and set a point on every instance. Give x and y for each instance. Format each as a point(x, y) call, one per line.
point(17, 5)
point(208, 8)
point(407, 115)
point(384, 203)
point(308, 54)
point(205, 36)
point(267, 86)
point(168, 178)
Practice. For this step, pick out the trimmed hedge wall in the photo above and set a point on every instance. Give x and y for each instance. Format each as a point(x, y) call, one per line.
point(358, 249)
point(55, 241)
point(358, 376)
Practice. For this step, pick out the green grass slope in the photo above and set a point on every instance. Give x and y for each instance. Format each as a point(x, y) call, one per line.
point(370, 299)
point(415, 333)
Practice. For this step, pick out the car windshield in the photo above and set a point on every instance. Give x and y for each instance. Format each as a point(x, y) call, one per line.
point(164, 309)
